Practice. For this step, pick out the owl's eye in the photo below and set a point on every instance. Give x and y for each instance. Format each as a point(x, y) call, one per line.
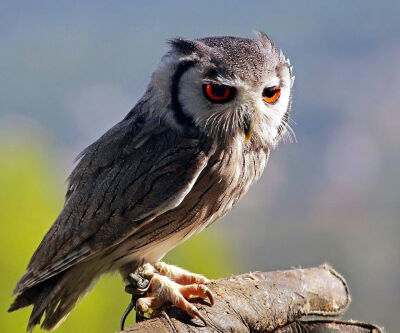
point(271, 95)
point(218, 93)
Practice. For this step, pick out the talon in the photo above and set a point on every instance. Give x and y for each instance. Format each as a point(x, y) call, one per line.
point(209, 295)
point(197, 290)
point(171, 284)
point(200, 316)
point(194, 312)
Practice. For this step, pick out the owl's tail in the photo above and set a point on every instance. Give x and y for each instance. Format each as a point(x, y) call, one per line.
point(54, 298)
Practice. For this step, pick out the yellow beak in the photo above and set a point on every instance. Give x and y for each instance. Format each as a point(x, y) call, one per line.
point(248, 132)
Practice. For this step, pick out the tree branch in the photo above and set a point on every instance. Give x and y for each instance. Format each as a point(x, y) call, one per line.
point(267, 302)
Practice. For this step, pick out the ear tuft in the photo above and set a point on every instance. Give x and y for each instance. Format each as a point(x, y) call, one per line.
point(263, 38)
point(188, 47)
point(182, 45)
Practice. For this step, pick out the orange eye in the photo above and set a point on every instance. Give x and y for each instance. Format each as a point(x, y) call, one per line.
point(218, 93)
point(271, 95)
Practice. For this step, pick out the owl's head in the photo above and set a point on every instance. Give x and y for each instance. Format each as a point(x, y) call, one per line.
point(227, 87)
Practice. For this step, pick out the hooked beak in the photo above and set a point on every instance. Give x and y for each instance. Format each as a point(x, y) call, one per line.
point(248, 128)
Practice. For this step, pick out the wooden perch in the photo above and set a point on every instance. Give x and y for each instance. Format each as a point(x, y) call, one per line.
point(267, 302)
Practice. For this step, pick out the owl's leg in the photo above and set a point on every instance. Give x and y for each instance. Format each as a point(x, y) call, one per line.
point(171, 284)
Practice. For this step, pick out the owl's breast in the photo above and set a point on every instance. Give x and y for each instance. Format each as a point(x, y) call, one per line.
point(226, 178)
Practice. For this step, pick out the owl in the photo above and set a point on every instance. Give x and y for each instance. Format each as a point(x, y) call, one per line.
point(184, 155)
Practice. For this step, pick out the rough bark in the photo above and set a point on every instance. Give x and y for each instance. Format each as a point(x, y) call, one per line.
point(299, 300)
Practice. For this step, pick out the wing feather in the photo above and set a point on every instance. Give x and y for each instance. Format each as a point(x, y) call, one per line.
point(133, 173)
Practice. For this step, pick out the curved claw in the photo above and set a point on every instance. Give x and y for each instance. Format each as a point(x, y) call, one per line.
point(194, 312)
point(197, 290)
point(200, 316)
point(210, 296)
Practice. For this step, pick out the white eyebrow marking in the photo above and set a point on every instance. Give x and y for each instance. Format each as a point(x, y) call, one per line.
point(274, 82)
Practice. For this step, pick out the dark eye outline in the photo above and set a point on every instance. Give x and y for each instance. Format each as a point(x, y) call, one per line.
point(271, 94)
point(226, 97)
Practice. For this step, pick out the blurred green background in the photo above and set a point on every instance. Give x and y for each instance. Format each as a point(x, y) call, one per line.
point(69, 70)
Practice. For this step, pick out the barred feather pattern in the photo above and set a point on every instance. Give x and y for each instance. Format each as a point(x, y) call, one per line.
point(172, 167)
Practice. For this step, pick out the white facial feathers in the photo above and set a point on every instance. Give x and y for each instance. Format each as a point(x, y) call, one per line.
point(227, 119)
point(247, 66)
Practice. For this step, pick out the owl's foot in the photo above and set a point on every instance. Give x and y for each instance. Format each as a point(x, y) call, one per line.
point(171, 284)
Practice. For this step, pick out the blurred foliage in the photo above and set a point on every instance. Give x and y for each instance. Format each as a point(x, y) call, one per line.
point(30, 199)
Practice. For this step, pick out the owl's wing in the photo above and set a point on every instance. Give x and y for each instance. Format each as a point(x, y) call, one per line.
point(132, 174)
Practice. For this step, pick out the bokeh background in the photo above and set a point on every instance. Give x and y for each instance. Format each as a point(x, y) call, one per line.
point(70, 70)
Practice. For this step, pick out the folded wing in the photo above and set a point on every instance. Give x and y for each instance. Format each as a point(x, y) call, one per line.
point(132, 174)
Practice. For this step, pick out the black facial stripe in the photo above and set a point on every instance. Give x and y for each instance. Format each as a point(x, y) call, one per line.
point(176, 106)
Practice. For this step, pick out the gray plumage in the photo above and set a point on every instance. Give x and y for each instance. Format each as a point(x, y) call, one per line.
point(175, 164)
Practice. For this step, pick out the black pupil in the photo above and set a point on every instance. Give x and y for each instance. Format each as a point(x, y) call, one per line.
point(218, 90)
point(269, 93)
